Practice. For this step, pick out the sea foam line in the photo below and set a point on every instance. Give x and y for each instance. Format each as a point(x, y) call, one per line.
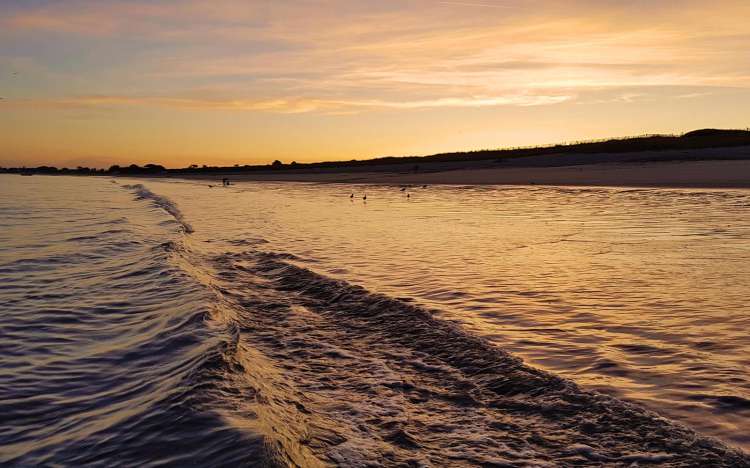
point(162, 202)
point(408, 384)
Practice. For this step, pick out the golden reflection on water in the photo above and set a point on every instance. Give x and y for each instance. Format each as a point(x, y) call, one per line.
point(637, 293)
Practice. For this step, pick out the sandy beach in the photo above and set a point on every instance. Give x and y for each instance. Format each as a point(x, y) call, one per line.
point(711, 168)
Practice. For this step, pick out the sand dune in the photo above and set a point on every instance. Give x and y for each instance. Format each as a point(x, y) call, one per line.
point(712, 168)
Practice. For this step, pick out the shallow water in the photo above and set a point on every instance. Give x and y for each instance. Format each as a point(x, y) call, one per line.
point(103, 338)
point(288, 323)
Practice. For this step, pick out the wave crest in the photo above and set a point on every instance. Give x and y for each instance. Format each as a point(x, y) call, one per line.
point(364, 376)
point(162, 202)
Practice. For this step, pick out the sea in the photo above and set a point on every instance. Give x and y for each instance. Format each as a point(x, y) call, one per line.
point(166, 322)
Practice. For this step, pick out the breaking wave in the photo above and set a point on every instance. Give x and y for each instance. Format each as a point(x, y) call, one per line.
point(107, 346)
point(169, 353)
point(325, 371)
point(161, 202)
point(352, 376)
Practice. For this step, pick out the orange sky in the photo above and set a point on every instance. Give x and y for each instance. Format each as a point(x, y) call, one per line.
point(225, 82)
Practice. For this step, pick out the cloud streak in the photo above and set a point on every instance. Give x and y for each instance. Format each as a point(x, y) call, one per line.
point(473, 4)
point(397, 51)
point(292, 105)
point(218, 71)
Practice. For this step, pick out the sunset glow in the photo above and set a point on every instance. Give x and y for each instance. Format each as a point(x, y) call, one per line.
point(104, 82)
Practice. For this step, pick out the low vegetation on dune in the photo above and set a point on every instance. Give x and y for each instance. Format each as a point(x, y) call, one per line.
point(696, 139)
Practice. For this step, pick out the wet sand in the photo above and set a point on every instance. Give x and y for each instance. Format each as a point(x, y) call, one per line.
point(694, 169)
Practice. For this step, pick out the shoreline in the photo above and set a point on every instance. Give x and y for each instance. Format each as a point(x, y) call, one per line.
point(728, 174)
point(709, 168)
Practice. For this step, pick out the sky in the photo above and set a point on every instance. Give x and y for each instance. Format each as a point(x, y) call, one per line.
point(221, 82)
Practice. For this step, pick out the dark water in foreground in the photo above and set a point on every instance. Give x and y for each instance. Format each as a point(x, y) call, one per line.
point(170, 323)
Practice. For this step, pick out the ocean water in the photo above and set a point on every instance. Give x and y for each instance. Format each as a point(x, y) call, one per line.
point(168, 322)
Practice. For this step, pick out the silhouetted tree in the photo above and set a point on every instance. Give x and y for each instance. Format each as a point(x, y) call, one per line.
point(154, 168)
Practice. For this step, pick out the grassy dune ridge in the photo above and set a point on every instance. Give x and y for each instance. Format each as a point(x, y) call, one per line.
point(553, 155)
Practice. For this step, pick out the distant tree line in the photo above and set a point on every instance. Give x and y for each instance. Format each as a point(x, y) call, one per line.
point(697, 139)
point(80, 170)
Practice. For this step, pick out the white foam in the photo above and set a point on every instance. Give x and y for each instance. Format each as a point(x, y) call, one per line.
point(162, 202)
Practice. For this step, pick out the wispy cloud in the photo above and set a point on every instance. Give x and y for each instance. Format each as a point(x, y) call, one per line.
point(395, 48)
point(283, 105)
point(250, 63)
point(476, 4)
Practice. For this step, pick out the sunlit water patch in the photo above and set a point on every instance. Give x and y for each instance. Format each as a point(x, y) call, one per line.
point(105, 339)
point(166, 322)
point(640, 293)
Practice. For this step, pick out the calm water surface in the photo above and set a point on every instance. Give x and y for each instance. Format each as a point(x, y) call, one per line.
point(122, 300)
